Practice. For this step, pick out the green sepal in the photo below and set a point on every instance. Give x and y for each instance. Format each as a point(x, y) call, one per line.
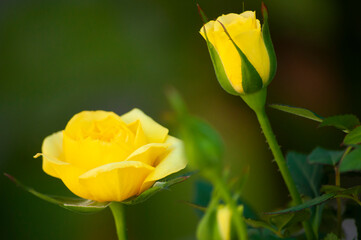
point(257, 100)
point(216, 60)
point(208, 226)
point(202, 14)
point(78, 205)
point(157, 187)
point(251, 80)
point(81, 205)
point(269, 45)
point(219, 69)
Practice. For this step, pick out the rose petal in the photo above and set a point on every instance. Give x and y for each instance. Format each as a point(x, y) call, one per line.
point(115, 181)
point(140, 139)
point(90, 153)
point(54, 164)
point(154, 131)
point(173, 162)
point(149, 154)
point(52, 147)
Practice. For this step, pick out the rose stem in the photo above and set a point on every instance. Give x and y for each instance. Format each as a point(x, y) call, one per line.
point(272, 142)
point(118, 214)
point(338, 184)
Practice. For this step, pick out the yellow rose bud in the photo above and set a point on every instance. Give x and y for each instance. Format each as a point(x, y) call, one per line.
point(105, 157)
point(224, 216)
point(241, 52)
point(224, 221)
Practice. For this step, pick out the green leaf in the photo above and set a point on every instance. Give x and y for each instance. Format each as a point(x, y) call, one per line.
point(308, 204)
point(344, 122)
point(354, 137)
point(157, 187)
point(331, 188)
point(331, 236)
point(350, 193)
point(301, 112)
point(352, 161)
point(283, 221)
point(323, 156)
point(306, 176)
point(74, 204)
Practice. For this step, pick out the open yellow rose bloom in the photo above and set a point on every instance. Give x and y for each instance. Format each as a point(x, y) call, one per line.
point(105, 157)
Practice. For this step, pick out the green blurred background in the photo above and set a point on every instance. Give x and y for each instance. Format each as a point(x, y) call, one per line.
point(58, 58)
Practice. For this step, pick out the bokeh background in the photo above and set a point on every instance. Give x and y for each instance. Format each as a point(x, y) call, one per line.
point(58, 58)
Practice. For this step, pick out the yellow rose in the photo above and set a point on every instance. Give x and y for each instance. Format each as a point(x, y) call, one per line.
point(105, 157)
point(241, 51)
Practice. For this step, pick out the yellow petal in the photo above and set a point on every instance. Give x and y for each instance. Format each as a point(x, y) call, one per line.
point(81, 125)
point(53, 148)
point(150, 154)
point(115, 181)
point(171, 163)
point(68, 173)
point(154, 131)
point(91, 153)
point(140, 139)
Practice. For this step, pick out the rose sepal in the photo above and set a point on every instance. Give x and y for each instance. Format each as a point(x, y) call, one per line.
point(256, 101)
point(268, 43)
point(251, 80)
point(74, 204)
point(157, 187)
point(219, 68)
point(216, 60)
point(80, 205)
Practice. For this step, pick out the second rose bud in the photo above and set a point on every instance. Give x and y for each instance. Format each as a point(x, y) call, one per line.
point(241, 51)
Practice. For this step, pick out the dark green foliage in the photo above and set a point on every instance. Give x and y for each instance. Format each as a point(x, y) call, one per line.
point(352, 161)
point(354, 137)
point(343, 122)
point(302, 112)
point(306, 176)
point(323, 156)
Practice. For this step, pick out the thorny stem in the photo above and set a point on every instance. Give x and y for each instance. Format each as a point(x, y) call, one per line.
point(272, 142)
